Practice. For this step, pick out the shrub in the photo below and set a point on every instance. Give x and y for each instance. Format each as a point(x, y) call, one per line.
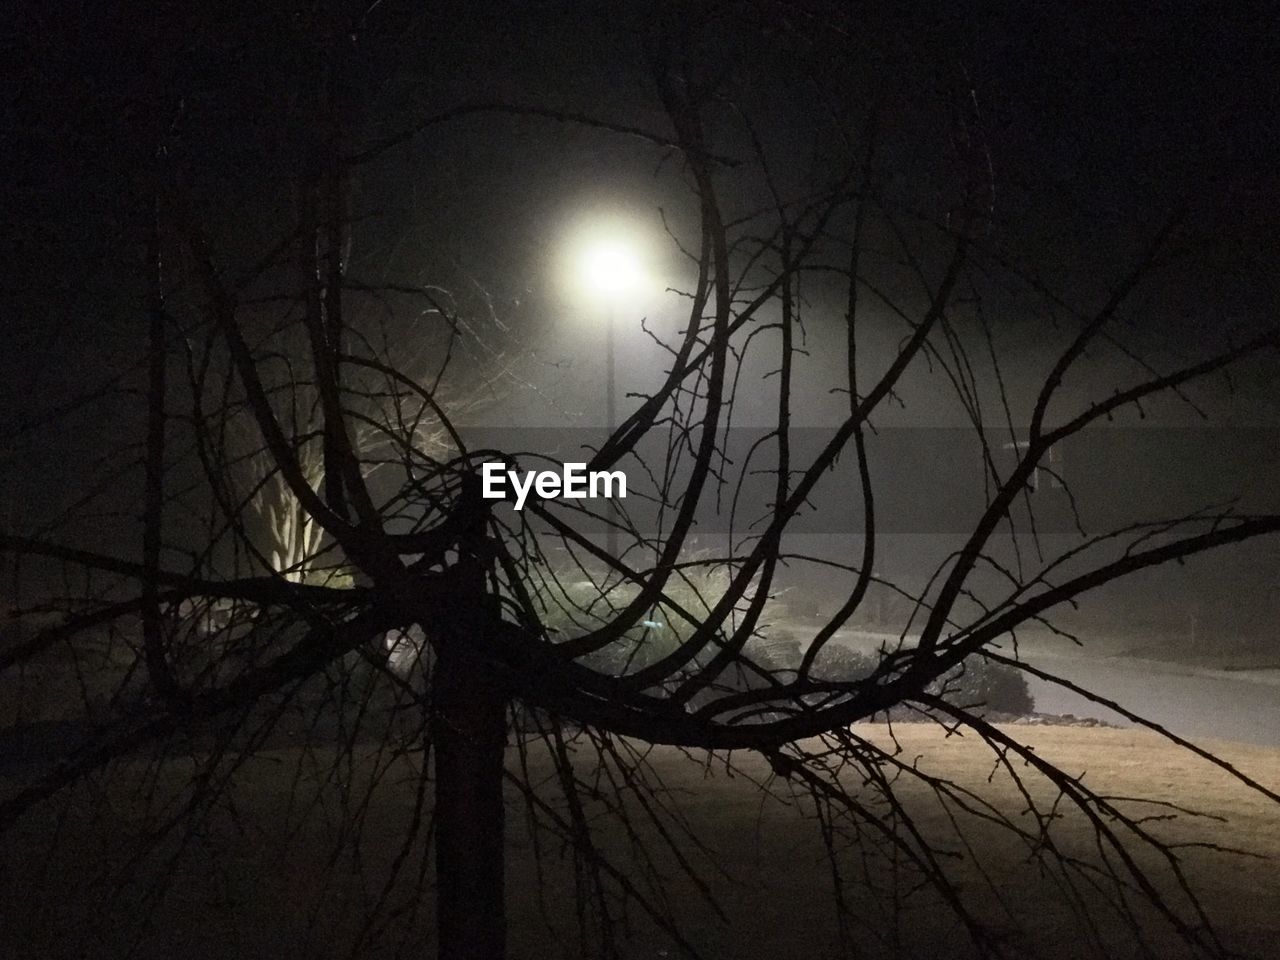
point(840, 663)
point(996, 686)
point(573, 607)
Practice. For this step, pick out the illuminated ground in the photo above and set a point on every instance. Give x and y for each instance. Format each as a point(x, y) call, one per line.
point(244, 890)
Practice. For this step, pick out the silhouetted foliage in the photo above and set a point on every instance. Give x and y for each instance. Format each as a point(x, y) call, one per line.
point(319, 583)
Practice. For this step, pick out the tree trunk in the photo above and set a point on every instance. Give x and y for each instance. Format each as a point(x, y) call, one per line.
point(469, 737)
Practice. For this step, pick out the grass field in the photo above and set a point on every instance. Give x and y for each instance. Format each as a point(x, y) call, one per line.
point(262, 879)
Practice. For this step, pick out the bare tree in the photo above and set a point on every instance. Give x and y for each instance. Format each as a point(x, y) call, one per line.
point(349, 451)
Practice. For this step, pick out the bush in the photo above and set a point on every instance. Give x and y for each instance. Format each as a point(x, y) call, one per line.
point(842, 664)
point(996, 686)
point(975, 683)
point(574, 606)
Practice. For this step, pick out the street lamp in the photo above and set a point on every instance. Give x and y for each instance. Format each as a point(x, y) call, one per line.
point(610, 270)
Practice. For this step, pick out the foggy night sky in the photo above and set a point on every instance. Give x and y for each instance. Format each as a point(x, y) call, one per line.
point(1098, 118)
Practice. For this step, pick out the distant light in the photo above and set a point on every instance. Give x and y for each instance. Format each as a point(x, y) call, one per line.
point(606, 259)
point(611, 268)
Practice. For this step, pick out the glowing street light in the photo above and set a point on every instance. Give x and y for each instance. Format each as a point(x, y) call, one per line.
point(611, 269)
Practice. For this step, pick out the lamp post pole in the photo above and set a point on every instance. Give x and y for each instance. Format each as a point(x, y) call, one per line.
point(611, 416)
point(609, 269)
